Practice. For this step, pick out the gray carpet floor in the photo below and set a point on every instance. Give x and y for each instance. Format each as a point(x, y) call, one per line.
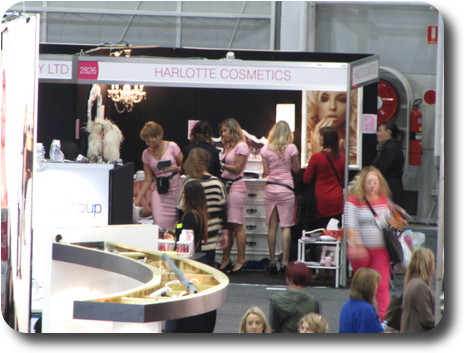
point(242, 296)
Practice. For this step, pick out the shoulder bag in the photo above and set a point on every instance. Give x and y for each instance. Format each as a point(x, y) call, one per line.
point(333, 167)
point(392, 241)
point(228, 182)
point(162, 183)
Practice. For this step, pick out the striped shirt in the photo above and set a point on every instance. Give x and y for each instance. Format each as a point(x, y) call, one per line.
point(357, 215)
point(216, 199)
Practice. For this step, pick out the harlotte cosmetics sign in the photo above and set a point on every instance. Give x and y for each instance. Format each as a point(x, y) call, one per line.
point(214, 73)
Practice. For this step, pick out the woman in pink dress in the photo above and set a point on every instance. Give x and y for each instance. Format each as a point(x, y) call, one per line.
point(169, 154)
point(233, 164)
point(280, 157)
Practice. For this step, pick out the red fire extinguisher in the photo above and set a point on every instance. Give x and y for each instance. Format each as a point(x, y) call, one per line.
point(415, 137)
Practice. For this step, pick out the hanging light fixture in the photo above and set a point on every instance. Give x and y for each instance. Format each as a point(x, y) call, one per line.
point(126, 96)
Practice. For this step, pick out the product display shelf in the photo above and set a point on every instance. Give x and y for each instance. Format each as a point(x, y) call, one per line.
point(330, 248)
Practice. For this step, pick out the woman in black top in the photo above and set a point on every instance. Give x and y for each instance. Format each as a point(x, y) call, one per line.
point(201, 136)
point(195, 217)
point(195, 214)
point(390, 159)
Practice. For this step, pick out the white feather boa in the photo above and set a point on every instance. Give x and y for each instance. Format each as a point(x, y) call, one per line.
point(104, 140)
point(104, 136)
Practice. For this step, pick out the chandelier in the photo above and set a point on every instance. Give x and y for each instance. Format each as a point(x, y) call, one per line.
point(126, 97)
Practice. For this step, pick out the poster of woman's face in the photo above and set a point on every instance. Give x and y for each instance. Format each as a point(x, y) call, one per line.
point(328, 108)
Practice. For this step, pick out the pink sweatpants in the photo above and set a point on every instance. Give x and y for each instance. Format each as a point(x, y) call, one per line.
point(379, 260)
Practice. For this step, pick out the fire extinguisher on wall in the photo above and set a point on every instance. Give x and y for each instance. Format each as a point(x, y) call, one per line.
point(415, 137)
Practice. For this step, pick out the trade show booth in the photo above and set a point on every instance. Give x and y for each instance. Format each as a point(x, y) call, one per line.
point(177, 86)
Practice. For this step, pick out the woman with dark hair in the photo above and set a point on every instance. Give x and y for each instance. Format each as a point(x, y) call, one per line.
point(195, 214)
point(201, 136)
point(359, 313)
point(195, 217)
point(328, 169)
point(216, 199)
point(390, 158)
point(287, 307)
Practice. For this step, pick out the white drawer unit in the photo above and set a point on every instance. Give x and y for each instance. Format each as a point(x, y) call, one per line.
point(254, 210)
point(331, 249)
point(254, 166)
point(255, 224)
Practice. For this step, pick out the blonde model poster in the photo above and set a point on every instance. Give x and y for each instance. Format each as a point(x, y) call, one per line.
point(328, 108)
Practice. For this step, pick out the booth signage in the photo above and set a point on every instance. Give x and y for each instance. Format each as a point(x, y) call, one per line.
point(365, 72)
point(206, 73)
point(55, 69)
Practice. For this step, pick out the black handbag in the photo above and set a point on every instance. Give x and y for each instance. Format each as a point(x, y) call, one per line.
point(162, 183)
point(392, 241)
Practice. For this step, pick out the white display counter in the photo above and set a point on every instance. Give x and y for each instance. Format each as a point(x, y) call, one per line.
point(71, 194)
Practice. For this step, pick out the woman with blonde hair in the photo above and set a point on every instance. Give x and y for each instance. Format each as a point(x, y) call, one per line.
point(254, 321)
point(359, 314)
point(418, 299)
point(159, 150)
point(366, 245)
point(234, 160)
point(327, 108)
point(279, 158)
point(313, 323)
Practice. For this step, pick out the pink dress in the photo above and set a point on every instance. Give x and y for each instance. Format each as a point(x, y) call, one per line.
point(276, 195)
point(163, 207)
point(237, 192)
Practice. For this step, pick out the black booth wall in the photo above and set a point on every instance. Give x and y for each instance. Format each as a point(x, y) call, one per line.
point(170, 107)
point(61, 104)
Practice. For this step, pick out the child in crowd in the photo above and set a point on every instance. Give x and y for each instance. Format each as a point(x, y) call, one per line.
point(313, 323)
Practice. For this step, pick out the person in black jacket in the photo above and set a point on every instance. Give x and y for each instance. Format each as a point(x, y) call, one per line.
point(390, 159)
point(201, 136)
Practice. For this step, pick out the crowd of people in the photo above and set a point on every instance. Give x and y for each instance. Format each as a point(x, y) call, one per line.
point(210, 198)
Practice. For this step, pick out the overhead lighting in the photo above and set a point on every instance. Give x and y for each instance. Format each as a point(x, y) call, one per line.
point(126, 97)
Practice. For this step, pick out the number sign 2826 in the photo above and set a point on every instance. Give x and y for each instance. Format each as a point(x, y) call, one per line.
point(88, 70)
